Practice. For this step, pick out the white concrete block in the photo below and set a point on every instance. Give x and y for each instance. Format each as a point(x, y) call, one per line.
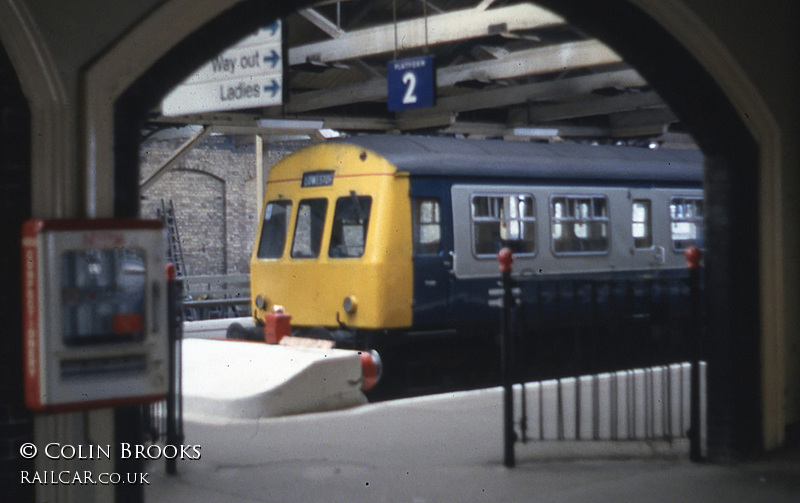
point(227, 379)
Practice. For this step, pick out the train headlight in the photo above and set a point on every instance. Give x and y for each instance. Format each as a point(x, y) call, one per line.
point(261, 303)
point(350, 305)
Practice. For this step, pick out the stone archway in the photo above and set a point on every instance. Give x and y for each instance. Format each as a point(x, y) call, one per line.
point(638, 30)
point(128, 79)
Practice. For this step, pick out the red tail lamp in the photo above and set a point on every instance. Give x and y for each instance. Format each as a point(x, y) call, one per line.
point(371, 369)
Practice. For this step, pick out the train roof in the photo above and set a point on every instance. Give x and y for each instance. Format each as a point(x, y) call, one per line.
point(421, 155)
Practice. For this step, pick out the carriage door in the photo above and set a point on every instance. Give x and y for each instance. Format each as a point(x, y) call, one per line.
point(432, 262)
point(647, 248)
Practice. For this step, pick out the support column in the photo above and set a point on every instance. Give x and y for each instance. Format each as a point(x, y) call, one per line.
point(734, 320)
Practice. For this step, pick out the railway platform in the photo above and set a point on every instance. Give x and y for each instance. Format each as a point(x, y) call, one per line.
point(439, 448)
point(444, 448)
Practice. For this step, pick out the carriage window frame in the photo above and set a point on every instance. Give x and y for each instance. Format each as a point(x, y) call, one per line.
point(525, 225)
point(427, 226)
point(695, 220)
point(272, 231)
point(309, 228)
point(579, 224)
point(338, 248)
point(644, 222)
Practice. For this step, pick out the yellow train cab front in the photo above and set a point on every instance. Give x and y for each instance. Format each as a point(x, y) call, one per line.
point(334, 243)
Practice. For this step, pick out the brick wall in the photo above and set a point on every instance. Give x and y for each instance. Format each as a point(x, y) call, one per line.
point(214, 193)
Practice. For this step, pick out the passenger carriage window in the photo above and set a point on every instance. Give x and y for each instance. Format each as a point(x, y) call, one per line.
point(686, 219)
point(427, 226)
point(641, 224)
point(308, 229)
point(350, 222)
point(274, 228)
point(579, 224)
point(503, 221)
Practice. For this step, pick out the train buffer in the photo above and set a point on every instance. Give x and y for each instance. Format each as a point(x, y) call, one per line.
point(227, 380)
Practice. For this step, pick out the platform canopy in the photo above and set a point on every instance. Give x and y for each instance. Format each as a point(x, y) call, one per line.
point(502, 70)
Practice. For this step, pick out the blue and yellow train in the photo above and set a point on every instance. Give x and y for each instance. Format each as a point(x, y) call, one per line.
point(391, 242)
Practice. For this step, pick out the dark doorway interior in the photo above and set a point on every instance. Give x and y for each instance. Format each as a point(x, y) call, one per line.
point(15, 207)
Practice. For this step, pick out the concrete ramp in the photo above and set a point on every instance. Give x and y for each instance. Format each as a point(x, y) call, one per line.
point(229, 379)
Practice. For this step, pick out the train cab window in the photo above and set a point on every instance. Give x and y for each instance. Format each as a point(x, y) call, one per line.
point(308, 229)
point(579, 224)
point(350, 222)
point(641, 224)
point(427, 226)
point(503, 221)
point(686, 221)
point(274, 228)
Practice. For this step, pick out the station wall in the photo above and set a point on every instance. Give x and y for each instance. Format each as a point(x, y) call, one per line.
point(214, 193)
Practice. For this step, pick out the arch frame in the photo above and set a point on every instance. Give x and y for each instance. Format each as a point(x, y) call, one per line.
point(81, 179)
point(53, 152)
point(726, 89)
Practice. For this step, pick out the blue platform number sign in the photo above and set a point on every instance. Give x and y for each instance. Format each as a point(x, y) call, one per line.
point(411, 83)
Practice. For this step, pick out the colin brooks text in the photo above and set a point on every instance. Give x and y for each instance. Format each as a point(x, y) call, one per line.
point(125, 451)
point(67, 477)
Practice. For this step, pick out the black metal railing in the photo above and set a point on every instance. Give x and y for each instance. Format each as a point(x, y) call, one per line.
point(164, 419)
point(214, 297)
point(579, 335)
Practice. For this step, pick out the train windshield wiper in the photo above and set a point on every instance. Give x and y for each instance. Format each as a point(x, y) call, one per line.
point(357, 204)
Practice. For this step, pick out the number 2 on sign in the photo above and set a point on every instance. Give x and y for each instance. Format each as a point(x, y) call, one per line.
point(410, 81)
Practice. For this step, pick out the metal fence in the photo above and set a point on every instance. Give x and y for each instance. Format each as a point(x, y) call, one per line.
point(654, 402)
point(642, 404)
point(216, 296)
point(641, 324)
point(164, 419)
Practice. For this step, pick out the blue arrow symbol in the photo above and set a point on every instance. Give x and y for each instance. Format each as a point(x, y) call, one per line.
point(272, 58)
point(273, 28)
point(274, 87)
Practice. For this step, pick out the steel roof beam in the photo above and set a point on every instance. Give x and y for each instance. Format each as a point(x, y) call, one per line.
point(594, 105)
point(493, 130)
point(442, 28)
point(554, 89)
point(517, 64)
point(246, 124)
point(175, 157)
point(531, 62)
point(322, 22)
point(643, 122)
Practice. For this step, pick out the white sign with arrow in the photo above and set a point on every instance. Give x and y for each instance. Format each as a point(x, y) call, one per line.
point(247, 75)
